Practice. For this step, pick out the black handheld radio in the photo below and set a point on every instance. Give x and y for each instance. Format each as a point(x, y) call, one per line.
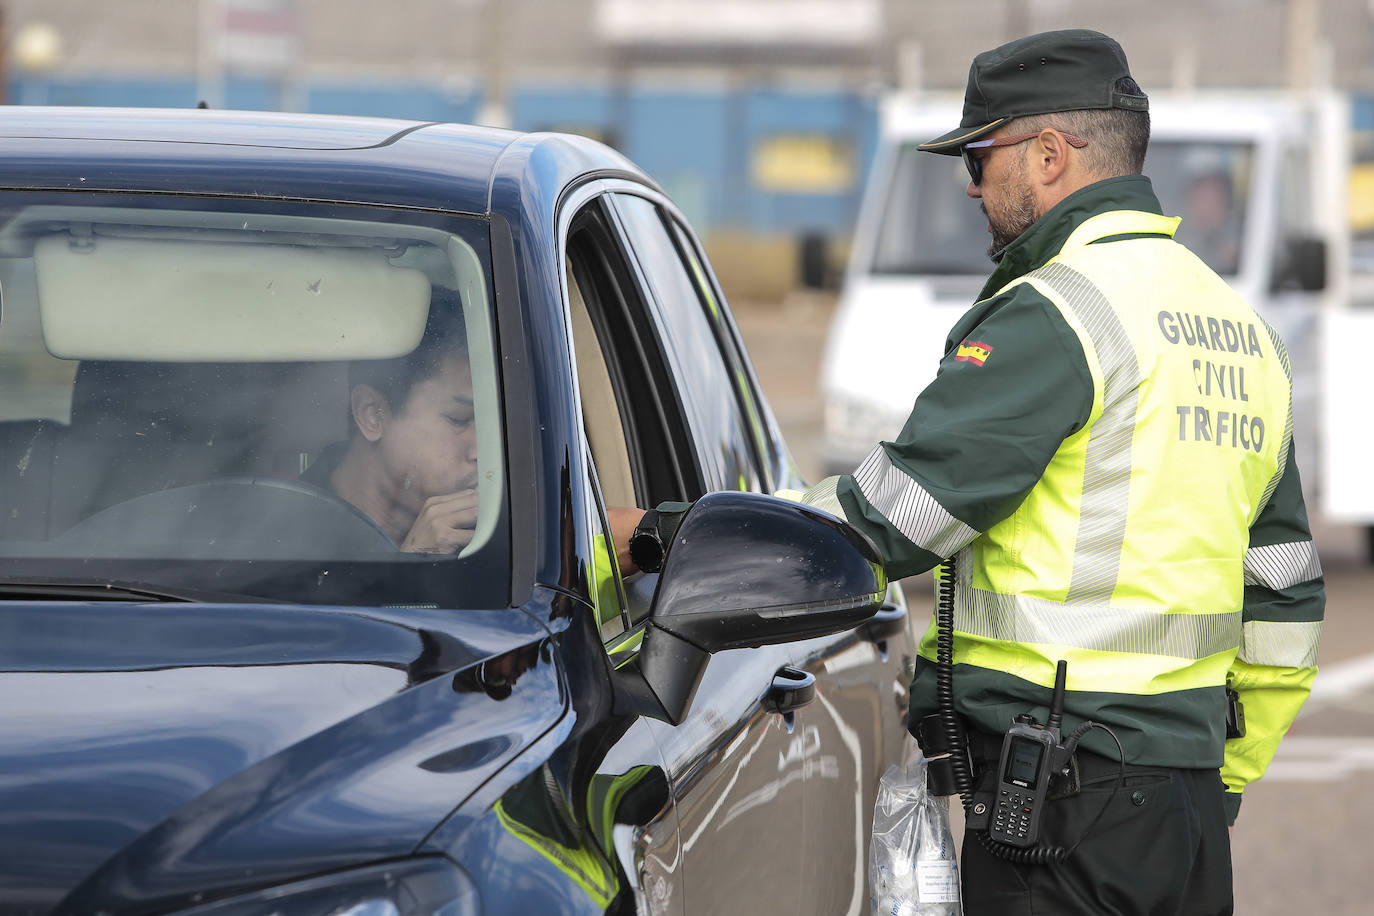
point(1023, 778)
point(1030, 753)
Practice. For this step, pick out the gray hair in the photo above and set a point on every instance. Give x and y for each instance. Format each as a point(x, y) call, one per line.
point(1117, 137)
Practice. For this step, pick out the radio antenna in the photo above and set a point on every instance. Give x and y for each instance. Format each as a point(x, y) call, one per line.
point(1061, 675)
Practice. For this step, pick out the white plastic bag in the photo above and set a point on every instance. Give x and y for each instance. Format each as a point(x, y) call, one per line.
point(912, 869)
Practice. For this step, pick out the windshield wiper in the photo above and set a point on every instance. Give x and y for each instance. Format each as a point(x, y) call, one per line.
point(62, 590)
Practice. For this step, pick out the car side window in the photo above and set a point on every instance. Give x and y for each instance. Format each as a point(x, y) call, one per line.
point(640, 453)
point(607, 593)
point(727, 339)
point(601, 415)
point(724, 438)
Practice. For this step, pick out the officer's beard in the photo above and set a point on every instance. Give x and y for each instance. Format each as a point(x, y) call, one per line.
point(1016, 212)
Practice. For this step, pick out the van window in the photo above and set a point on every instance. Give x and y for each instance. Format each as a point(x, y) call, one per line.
point(929, 225)
point(1208, 185)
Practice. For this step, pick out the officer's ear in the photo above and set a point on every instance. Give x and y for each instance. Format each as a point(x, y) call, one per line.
point(1050, 152)
point(370, 411)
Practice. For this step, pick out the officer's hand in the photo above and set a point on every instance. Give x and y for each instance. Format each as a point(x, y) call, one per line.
point(444, 525)
point(623, 521)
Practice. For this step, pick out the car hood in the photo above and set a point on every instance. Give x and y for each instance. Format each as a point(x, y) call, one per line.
point(154, 754)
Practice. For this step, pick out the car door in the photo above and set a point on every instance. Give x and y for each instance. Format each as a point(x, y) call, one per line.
point(840, 743)
point(648, 443)
point(853, 731)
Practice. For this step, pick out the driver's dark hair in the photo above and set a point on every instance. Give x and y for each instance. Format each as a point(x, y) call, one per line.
point(444, 336)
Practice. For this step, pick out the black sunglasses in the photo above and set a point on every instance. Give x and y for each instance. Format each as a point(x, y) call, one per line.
point(975, 164)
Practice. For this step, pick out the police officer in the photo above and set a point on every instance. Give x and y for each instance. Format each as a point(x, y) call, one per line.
point(1106, 453)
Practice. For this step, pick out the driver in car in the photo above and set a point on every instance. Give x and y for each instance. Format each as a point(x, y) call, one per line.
point(410, 463)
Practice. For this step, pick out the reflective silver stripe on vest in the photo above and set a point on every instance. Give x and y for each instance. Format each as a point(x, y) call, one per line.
point(1280, 566)
point(823, 496)
point(1287, 447)
point(1107, 461)
point(908, 507)
point(1287, 645)
point(1099, 627)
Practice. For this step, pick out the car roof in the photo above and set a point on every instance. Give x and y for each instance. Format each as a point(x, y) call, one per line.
point(346, 159)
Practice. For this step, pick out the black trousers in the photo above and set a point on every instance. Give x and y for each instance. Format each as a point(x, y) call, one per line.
point(1160, 848)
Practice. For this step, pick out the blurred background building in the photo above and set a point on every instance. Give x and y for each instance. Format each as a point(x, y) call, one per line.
point(758, 116)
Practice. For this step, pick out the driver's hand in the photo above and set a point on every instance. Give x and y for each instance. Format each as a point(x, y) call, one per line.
point(445, 524)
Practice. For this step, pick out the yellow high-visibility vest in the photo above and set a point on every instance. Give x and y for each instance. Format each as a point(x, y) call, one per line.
point(1126, 558)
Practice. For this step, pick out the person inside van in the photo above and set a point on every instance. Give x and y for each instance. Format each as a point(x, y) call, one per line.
point(1211, 221)
point(410, 463)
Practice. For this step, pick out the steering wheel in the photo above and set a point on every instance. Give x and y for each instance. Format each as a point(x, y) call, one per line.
point(233, 518)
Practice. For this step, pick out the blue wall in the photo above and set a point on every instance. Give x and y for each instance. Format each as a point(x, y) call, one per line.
point(1363, 117)
point(697, 143)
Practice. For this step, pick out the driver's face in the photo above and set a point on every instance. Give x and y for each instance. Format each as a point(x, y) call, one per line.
point(429, 447)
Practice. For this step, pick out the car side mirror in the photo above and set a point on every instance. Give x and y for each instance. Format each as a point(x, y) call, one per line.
point(1303, 266)
point(747, 570)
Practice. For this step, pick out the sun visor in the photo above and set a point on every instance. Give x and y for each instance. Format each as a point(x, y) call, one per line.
point(175, 300)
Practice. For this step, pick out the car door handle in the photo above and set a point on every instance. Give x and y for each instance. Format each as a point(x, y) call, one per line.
point(888, 622)
point(792, 689)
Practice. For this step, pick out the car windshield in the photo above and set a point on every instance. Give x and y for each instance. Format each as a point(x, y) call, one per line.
point(247, 399)
point(930, 226)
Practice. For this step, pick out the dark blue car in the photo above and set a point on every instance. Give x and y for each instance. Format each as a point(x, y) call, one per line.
point(310, 435)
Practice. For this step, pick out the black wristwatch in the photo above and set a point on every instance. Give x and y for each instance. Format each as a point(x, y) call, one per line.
point(646, 544)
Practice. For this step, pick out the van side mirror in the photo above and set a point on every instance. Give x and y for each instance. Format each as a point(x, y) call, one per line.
point(1303, 266)
point(746, 570)
point(813, 261)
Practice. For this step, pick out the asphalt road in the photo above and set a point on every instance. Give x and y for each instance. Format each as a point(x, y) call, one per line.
point(1302, 840)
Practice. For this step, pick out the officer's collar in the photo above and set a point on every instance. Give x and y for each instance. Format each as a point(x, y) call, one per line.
point(1047, 236)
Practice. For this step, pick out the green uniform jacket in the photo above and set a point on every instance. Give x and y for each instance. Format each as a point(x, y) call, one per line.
point(1013, 385)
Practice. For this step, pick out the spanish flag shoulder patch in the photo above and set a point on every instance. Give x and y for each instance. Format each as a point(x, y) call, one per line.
point(973, 351)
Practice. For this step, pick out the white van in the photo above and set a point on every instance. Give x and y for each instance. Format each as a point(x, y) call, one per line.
point(1257, 178)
